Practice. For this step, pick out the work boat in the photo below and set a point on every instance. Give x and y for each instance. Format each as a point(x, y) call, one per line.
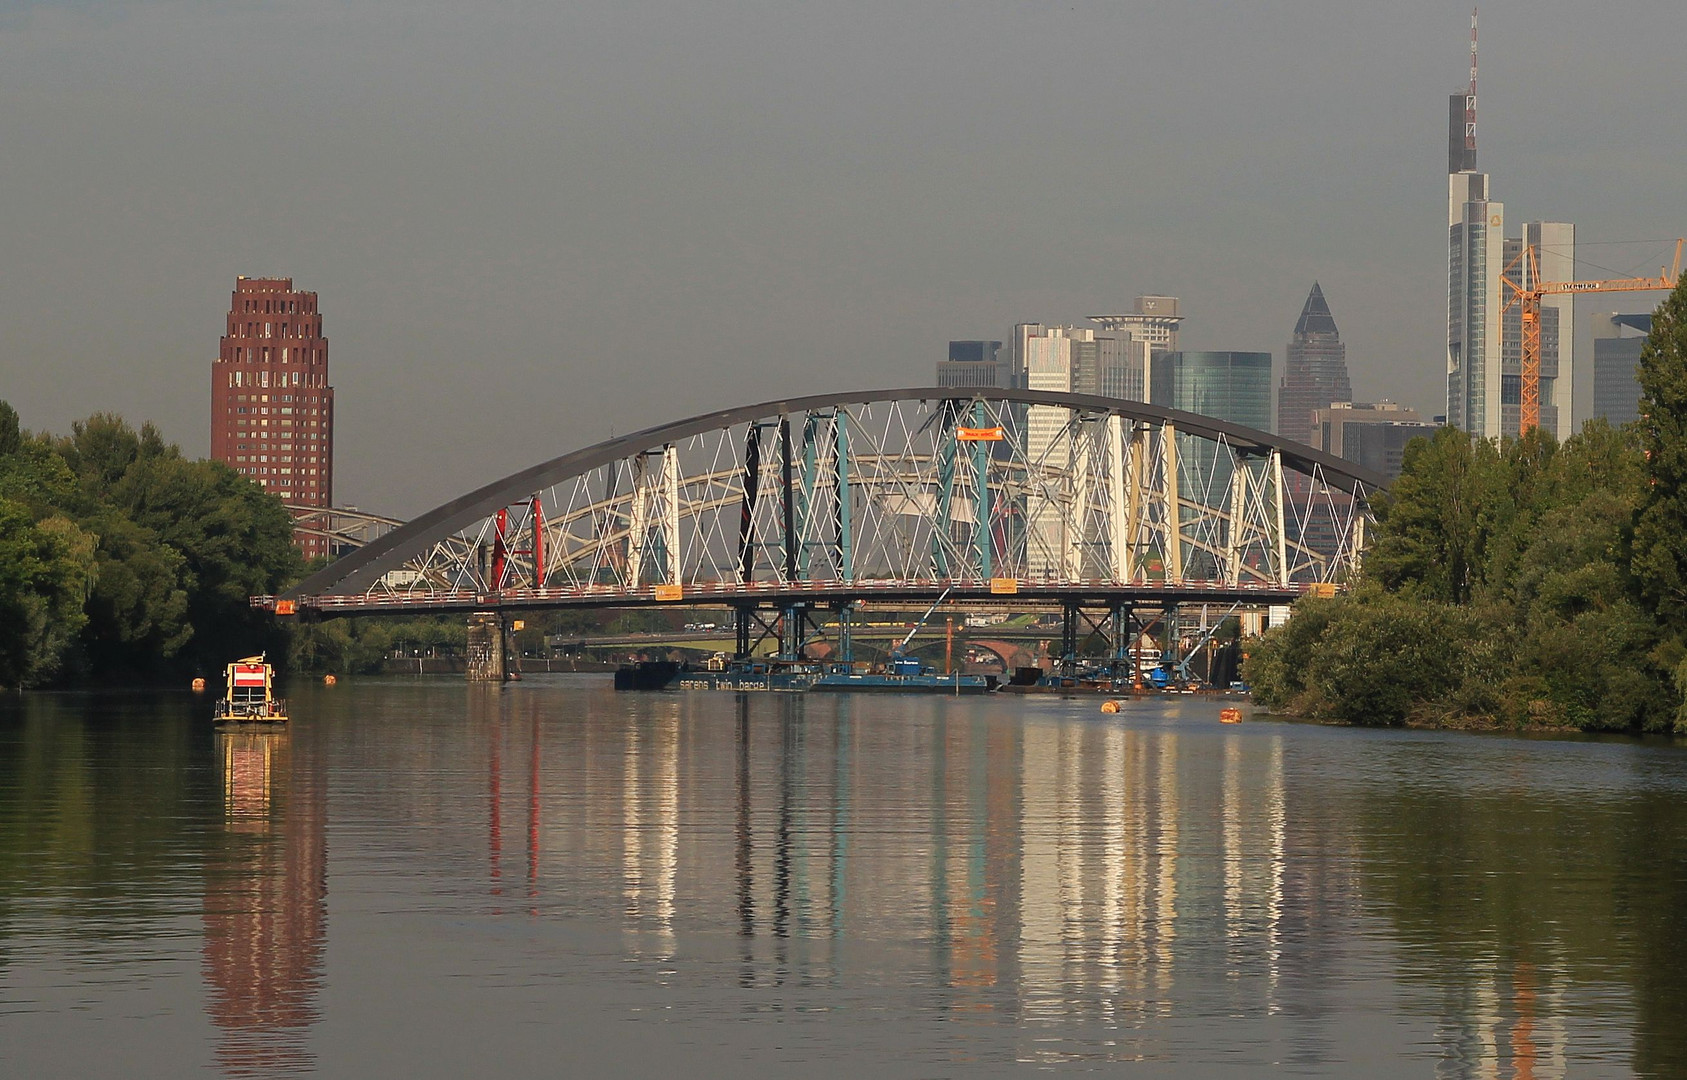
point(765, 673)
point(904, 674)
point(248, 698)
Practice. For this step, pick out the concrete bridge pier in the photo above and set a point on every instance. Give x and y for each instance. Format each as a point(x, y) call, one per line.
point(486, 647)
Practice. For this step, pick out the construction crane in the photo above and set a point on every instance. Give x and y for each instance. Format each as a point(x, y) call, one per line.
point(1526, 292)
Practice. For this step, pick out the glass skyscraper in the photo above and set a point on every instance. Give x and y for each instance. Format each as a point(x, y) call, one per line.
point(1234, 386)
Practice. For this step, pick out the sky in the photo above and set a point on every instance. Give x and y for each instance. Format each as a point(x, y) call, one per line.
point(533, 225)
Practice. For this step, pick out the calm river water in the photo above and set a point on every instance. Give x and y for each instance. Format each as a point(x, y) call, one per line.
point(426, 879)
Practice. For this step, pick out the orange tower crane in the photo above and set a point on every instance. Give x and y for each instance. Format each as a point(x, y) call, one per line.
point(1526, 294)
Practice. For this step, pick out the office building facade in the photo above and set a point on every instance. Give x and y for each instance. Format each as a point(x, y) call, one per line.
point(1371, 435)
point(1314, 369)
point(1153, 319)
point(1234, 386)
point(272, 409)
point(1475, 259)
point(1049, 358)
point(1616, 358)
point(974, 364)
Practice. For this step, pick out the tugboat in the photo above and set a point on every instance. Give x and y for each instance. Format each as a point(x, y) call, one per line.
point(248, 698)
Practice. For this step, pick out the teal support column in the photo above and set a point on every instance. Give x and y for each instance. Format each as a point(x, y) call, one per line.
point(1122, 668)
point(981, 465)
point(846, 557)
point(794, 624)
point(846, 647)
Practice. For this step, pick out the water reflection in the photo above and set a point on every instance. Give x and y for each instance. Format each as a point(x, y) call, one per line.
point(265, 904)
point(929, 884)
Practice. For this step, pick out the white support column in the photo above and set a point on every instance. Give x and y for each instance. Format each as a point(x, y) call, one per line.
point(670, 510)
point(1280, 539)
point(1356, 552)
point(1140, 475)
point(1081, 459)
point(1173, 507)
point(1234, 528)
point(1119, 536)
point(638, 523)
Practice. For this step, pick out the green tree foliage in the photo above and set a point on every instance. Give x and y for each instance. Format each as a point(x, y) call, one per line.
point(46, 569)
point(165, 552)
point(1500, 587)
point(1660, 543)
point(1434, 522)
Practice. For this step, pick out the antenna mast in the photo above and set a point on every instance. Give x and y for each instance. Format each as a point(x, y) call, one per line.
point(1470, 98)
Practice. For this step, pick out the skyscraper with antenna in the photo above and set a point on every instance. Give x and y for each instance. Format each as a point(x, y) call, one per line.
point(1475, 258)
point(1484, 370)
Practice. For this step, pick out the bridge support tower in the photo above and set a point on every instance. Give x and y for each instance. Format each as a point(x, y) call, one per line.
point(1124, 664)
point(486, 647)
point(741, 617)
point(1067, 667)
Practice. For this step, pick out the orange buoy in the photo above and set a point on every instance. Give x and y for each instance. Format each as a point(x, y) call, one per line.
point(1232, 715)
point(199, 686)
point(329, 680)
point(1110, 706)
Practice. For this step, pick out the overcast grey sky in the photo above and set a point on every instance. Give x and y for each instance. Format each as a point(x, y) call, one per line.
point(533, 223)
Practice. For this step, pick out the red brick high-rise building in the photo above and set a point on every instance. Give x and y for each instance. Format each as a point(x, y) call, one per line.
point(272, 410)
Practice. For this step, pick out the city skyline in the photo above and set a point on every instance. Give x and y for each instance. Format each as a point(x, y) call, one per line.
point(488, 227)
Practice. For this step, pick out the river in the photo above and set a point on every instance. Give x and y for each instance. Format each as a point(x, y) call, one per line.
point(423, 878)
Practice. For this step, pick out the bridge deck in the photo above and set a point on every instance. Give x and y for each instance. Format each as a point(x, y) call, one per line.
point(783, 594)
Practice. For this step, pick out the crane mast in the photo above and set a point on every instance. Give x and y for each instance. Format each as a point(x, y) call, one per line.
point(1522, 278)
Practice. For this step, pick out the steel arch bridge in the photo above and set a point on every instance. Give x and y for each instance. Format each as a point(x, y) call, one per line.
point(895, 495)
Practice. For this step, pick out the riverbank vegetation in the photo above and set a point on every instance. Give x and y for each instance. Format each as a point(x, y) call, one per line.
point(122, 560)
point(1526, 584)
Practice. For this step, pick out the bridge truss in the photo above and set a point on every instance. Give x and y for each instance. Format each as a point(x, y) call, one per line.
point(344, 527)
point(894, 495)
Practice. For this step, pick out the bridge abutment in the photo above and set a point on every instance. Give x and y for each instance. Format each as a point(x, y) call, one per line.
point(486, 647)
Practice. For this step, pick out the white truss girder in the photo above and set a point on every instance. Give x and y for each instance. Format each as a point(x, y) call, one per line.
point(891, 491)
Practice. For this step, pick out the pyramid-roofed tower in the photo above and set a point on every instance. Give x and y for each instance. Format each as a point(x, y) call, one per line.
point(1315, 317)
point(1315, 373)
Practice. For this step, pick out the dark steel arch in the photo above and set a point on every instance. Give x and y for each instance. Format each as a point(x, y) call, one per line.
point(358, 570)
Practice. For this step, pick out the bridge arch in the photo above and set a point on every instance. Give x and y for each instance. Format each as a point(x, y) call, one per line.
point(879, 491)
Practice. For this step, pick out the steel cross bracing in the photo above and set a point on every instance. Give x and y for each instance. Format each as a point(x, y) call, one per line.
point(893, 493)
point(341, 526)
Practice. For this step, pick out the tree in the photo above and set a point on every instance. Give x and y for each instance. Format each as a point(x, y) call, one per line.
point(1434, 523)
point(46, 570)
point(138, 610)
point(1660, 535)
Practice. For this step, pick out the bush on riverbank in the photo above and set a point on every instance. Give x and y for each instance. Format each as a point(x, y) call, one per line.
point(1533, 583)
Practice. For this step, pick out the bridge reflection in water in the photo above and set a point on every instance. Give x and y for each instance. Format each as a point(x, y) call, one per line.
point(1075, 882)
